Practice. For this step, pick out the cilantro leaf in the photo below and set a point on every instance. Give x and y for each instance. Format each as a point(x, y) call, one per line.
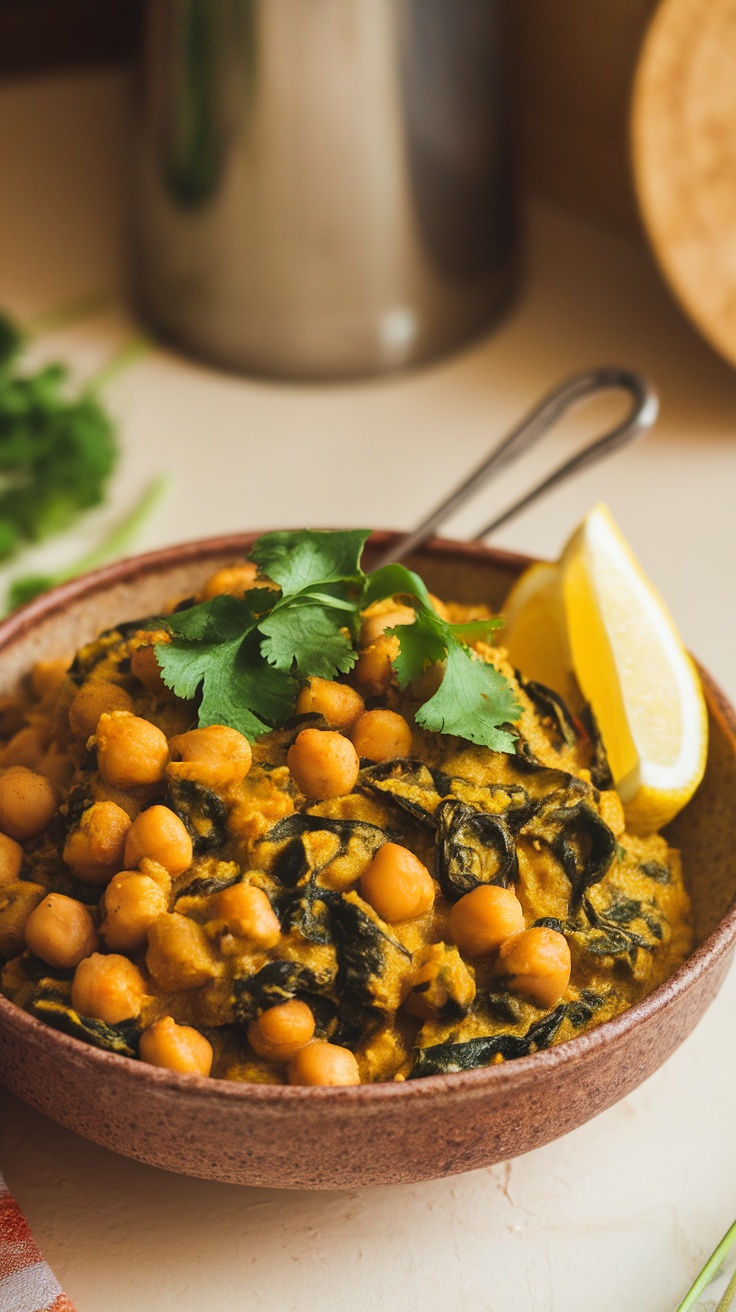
point(421, 644)
point(245, 658)
point(303, 558)
point(472, 701)
point(247, 693)
point(237, 688)
point(221, 619)
point(395, 581)
point(310, 640)
point(483, 629)
point(184, 665)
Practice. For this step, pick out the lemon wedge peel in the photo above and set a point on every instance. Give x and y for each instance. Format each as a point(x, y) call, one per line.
point(593, 619)
point(634, 670)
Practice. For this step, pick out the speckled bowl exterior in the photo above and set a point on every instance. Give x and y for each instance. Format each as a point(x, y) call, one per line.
point(324, 1138)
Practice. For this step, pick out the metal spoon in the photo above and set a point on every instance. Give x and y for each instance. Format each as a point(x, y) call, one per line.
point(550, 410)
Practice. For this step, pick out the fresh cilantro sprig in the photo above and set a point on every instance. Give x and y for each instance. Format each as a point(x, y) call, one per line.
point(246, 657)
point(474, 699)
point(57, 449)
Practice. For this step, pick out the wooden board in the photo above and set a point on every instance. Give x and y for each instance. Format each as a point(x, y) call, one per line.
point(684, 149)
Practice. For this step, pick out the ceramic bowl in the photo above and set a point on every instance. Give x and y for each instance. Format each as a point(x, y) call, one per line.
point(329, 1138)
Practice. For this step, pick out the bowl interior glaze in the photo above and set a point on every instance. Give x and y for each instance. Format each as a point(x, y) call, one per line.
point(370, 1134)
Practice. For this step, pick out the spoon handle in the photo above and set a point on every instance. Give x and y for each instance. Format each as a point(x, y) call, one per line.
point(550, 410)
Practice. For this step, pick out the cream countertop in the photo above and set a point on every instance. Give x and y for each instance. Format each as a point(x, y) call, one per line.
point(623, 1212)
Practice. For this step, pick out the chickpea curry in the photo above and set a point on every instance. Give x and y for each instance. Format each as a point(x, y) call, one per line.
point(352, 896)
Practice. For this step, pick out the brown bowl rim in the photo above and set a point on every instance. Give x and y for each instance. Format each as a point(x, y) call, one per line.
point(521, 1070)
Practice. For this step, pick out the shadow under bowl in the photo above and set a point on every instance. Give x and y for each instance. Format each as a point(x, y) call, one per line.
point(334, 1138)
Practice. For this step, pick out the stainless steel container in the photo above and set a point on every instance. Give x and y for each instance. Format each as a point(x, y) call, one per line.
point(324, 187)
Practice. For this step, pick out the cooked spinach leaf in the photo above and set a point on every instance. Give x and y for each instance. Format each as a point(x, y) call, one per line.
point(444, 1058)
point(305, 910)
point(551, 707)
point(279, 982)
point(202, 812)
point(661, 874)
point(610, 933)
point(524, 759)
point(549, 922)
point(364, 952)
point(54, 1009)
point(502, 1006)
point(583, 1008)
point(472, 848)
point(600, 771)
point(80, 799)
point(410, 784)
point(213, 878)
point(582, 842)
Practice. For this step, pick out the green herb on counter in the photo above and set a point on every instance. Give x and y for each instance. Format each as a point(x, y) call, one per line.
point(58, 449)
point(245, 658)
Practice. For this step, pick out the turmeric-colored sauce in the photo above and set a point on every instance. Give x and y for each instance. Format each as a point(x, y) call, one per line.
point(352, 898)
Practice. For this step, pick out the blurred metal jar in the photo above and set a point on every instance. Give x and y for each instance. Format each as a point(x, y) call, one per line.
point(324, 187)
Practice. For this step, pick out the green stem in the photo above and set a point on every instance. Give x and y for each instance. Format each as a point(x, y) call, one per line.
point(133, 350)
point(123, 535)
point(116, 544)
point(709, 1271)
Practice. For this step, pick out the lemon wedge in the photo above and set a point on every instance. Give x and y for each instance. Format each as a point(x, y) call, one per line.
point(610, 629)
point(535, 632)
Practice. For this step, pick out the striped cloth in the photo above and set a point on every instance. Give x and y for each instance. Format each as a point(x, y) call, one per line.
point(27, 1284)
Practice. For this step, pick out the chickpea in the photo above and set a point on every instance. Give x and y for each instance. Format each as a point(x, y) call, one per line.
point(249, 914)
point(131, 902)
point(429, 681)
point(157, 873)
point(108, 988)
point(56, 766)
point(95, 849)
point(481, 920)
point(215, 756)
point(17, 901)
point(442, 983)
point(397, 885)
point(536, 962)
point(337, 702)
point(373, 671)
point(131, 752)
point(176, 1047)
point(375, 622)
point(27, 803)
point(179, 954)
point(11, 860)
point(233, 581)
point(144, 665)
point(47, 678)
point(381, 735)
point(26, 747)
point(281, 1031)
point(12, 716)
point(323, 764)
point(95, 697)
point(60, 931)
point(323, 1063)
point(160, 835)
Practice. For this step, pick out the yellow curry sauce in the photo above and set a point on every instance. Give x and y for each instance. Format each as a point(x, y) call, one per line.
point(405, 996)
